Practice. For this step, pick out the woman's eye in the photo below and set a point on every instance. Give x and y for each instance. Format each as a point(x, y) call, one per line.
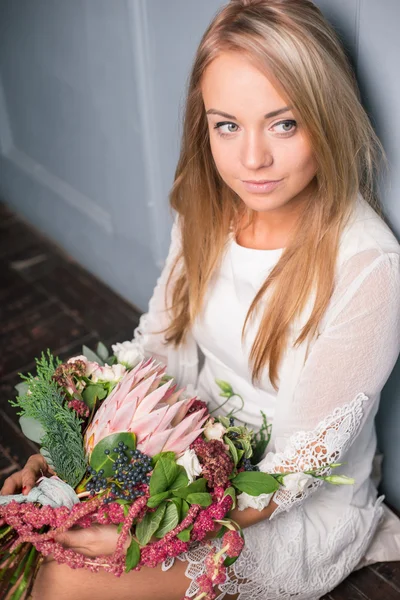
point(288, 126)
point(224, 129)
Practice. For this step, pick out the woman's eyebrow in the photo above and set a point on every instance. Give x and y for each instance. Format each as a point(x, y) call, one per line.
point(274, 113)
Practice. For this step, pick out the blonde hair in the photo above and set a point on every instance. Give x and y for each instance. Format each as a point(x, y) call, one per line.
point(291, 42)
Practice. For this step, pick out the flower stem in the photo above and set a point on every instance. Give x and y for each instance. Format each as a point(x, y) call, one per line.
point(28, 573)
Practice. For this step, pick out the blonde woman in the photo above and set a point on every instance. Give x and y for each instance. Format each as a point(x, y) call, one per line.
point(283, 273)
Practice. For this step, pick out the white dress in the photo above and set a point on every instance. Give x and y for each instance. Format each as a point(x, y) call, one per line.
point(323, 411)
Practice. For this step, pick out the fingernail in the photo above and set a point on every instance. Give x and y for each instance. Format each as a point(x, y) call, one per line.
point(24, 488)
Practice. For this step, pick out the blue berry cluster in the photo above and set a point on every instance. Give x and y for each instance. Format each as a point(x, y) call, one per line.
point(97, 481)
point(248, 466)
point(131, 468)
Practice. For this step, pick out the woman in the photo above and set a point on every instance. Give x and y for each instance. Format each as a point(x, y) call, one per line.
point(284, 275)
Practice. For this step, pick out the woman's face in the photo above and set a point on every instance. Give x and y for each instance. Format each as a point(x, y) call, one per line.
point(249, 143)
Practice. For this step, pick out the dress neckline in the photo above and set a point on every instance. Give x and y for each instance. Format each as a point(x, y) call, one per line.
point(275, 252)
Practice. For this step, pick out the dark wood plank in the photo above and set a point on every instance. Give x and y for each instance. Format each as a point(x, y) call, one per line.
point(347, 591)
point(13, 440)
point(30, 339)
point(89, 301)
point(390, 571)
point(37, 259)
point(15, 235)
point(372, 585)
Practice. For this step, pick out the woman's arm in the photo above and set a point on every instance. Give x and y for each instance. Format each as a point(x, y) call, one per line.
point(342, 378)
point(147, 335)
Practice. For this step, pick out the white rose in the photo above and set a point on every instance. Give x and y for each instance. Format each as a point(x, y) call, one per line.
point(190, 463)
point(297, 482)
point(108, 373)
point(213, 431)
point(247, 501)
point(128, 353)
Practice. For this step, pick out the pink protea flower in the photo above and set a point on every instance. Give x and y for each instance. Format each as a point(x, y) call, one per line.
point(140, 404)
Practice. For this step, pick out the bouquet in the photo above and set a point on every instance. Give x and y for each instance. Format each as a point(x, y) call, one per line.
point(131, 449)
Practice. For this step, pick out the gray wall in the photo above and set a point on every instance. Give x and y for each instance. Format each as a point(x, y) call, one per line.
point(90, 98)
point(89, 112)
point(370, 31)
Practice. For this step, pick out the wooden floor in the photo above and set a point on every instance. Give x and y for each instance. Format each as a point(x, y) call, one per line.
point(49, 301)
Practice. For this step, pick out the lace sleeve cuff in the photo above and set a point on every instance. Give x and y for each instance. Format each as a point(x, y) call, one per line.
point(311, 450)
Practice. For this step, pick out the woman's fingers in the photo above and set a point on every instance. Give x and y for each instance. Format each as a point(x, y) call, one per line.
point(12, 484)
point(91, 541)
point(24, 480)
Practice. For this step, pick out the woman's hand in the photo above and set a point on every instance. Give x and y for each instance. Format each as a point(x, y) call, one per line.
point(24, 480)
point(92, 541)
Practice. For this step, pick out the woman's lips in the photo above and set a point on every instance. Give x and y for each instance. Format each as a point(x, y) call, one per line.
point(261, 187)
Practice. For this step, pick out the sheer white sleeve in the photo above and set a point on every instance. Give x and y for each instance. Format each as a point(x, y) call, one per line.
point(147, 335)
point(344, 373)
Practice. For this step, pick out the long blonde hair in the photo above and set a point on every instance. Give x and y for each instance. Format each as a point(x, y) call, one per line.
point(291, 41)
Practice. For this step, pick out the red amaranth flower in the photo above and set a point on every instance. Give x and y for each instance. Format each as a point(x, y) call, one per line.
point(80, 407)
point(215, 569)
point(216, 462)
point(206, 586)
point(232, 543)
point(205, 521)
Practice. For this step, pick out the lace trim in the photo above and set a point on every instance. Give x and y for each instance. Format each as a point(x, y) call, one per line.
point(309, 450)
point(278, 562)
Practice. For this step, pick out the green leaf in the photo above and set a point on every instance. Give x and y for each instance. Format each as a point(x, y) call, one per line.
point(132, 556)
point(111, 360)
point(149, 524)
point(240, 454)
point(248, 450)
point(203, 499)
point(157, 457)
point(224, 386)
point(230, 491)
point(32, 429)
point(185, 509)
point(92, 356)
point(99, 460)
point(125, 508)
point(170, 520)
point(184, 535)
point(163, 476)
point(178, 503)
point(119, 528)
point(224, 421)
point(155, 500)
point(198, 485)
point(255, 483)
point(221, 532)
point(92, 393)
point(232, 449)
point(258, 451)
point(102, 351)
point(181, 480)
point(230, 560)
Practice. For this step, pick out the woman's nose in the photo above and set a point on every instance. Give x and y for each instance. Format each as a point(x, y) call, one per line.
point(255, 152)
